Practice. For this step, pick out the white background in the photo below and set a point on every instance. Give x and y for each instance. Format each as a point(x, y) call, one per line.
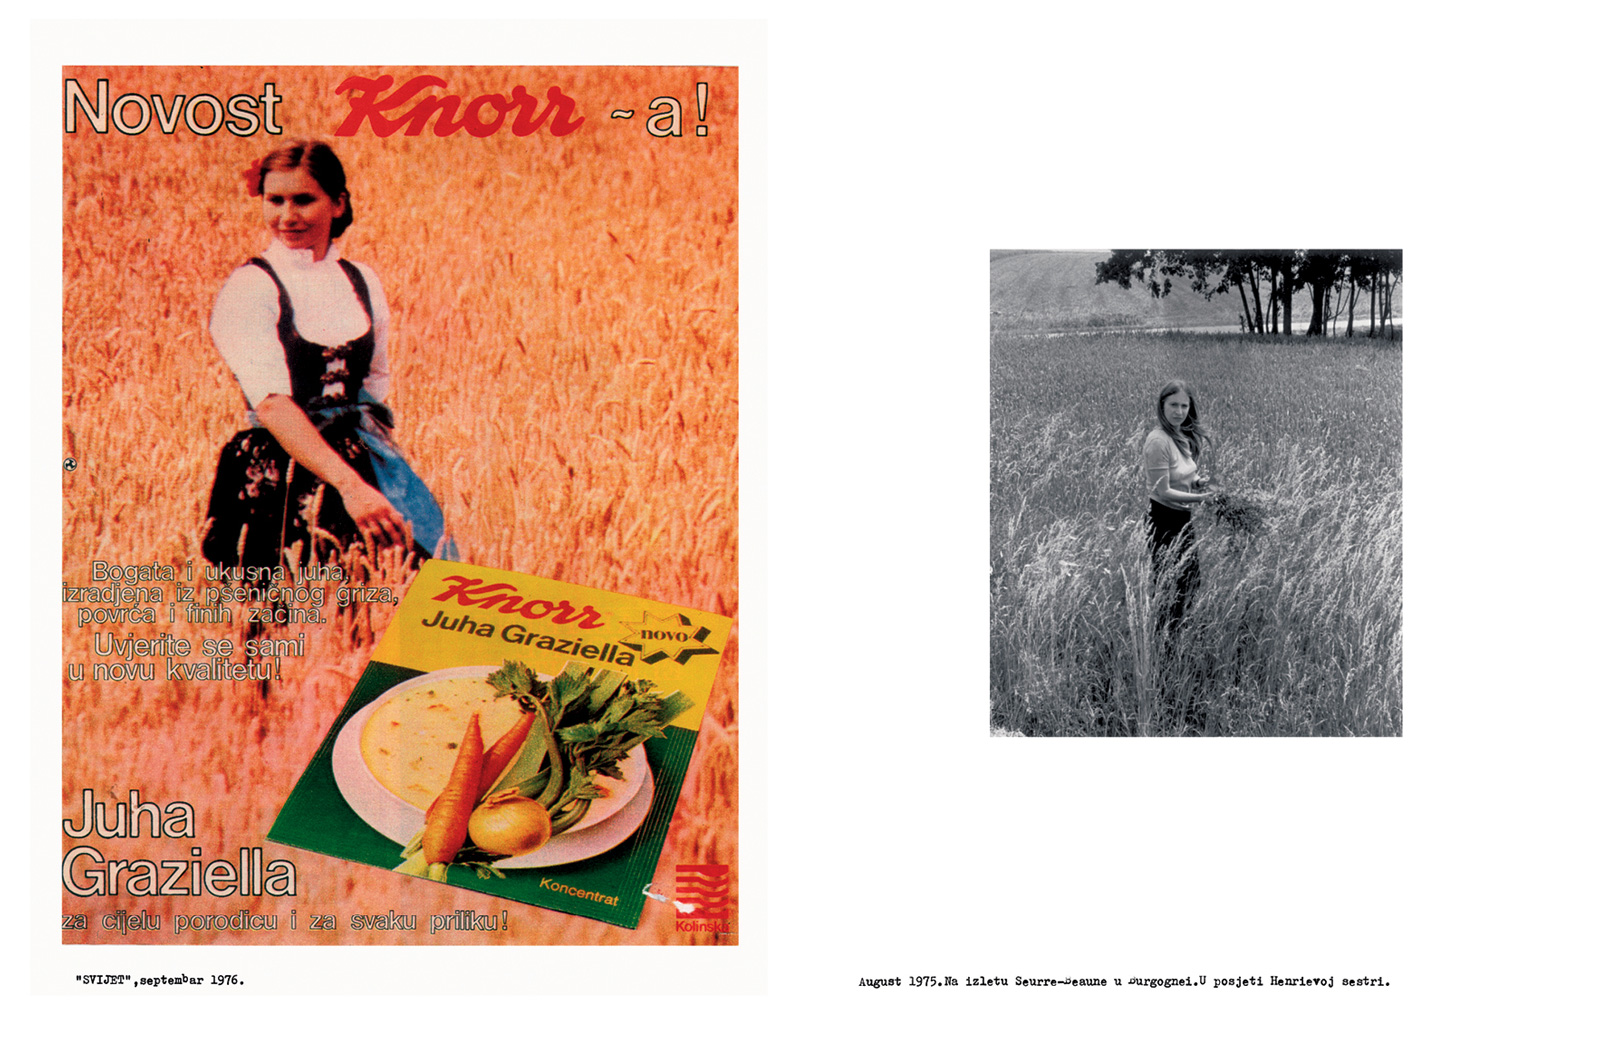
point(884, 833)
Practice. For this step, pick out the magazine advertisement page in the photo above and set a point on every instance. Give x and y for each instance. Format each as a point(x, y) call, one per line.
point(400, 508)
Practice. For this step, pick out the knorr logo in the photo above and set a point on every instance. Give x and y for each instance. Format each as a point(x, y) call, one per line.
point(504, 597)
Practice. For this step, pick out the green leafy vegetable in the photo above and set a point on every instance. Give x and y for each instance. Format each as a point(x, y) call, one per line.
point(589, 720)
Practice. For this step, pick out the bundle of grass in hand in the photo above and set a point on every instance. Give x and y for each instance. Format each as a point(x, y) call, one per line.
point(1240, 511)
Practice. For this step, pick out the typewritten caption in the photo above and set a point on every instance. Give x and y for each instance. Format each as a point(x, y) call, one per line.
point(456, 921)
point(1143, 982)
point(136, 612)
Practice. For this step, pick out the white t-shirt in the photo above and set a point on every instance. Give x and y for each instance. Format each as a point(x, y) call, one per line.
point(1163, 458)
point(327, 311)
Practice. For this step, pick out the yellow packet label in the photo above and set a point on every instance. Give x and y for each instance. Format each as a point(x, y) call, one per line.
point(465, 615)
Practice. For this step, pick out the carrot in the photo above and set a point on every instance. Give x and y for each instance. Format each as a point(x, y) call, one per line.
point(504, 751)
point(498, 756)
point(446, 829)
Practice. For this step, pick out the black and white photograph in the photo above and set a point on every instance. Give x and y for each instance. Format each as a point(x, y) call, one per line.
point(1195, 492)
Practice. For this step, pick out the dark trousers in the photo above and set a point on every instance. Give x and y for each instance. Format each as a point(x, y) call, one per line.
point(1177, 569)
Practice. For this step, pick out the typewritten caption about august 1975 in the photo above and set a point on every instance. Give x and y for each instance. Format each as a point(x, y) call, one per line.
point(1245, 982)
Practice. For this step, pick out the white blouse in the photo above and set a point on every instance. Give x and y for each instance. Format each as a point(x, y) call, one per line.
point(327, 311)
point(1164, 458)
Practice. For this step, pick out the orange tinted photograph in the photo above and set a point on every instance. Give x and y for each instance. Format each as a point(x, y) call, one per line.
point(323, 327)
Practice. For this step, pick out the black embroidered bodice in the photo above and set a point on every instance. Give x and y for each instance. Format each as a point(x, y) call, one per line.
point(324, 376)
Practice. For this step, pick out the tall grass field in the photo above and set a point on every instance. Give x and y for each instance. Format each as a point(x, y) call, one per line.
point(564, 346)
point(1295, 629)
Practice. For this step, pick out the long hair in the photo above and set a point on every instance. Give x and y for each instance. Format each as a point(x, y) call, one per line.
point(323, 163)
point(1191, 433)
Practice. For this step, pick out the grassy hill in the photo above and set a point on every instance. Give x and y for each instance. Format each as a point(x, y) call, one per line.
point(1055, 290)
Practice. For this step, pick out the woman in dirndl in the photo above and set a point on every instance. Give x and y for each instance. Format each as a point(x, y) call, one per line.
point(1172, 469)
point(305, 332)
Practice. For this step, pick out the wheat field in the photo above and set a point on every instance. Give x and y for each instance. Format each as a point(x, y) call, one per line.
point(1296, 627)
point(564, 351)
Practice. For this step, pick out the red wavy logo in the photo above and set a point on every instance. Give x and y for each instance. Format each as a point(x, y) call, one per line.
point(705, 887)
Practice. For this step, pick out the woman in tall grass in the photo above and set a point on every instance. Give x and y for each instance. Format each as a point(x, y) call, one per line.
point(1172, 469)
point(305, 333)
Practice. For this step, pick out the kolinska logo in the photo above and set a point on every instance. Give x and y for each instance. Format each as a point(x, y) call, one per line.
point(671, 636)
point(704, 887)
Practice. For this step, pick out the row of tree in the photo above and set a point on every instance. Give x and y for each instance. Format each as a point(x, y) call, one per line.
point(1337, 281)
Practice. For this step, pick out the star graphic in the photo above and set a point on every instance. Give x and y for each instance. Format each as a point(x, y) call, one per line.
point(671, 636)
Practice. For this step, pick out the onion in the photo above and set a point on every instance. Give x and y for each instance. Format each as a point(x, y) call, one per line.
point(509, 824)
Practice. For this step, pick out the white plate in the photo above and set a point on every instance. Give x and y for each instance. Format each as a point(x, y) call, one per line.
point(608, 823)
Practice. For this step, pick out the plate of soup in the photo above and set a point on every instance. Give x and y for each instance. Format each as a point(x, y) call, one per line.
point(395, 755)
